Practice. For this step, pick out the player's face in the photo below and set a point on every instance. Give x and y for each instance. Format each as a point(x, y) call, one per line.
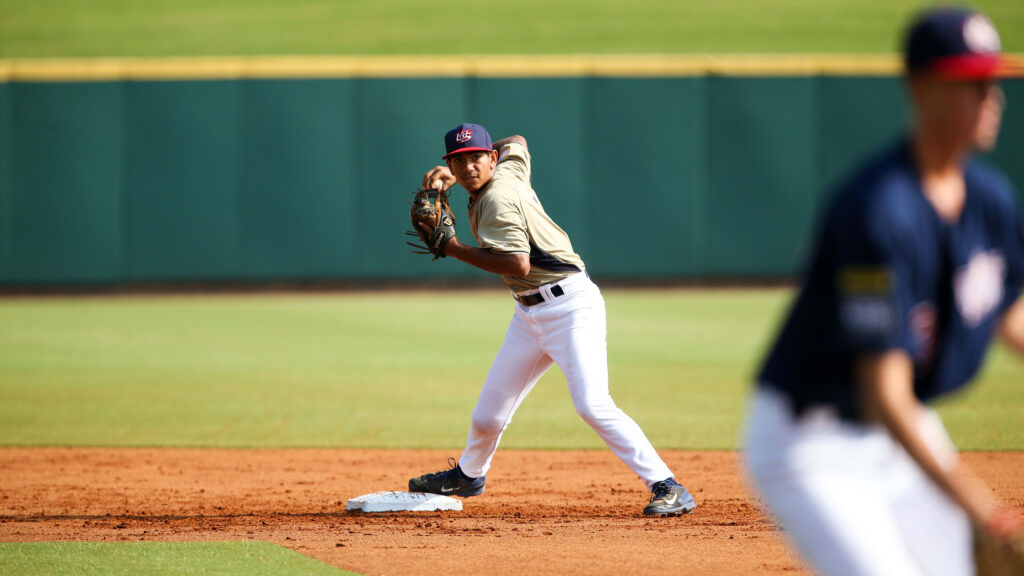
point(473, 169)
point(967, 113)
point(987, 130)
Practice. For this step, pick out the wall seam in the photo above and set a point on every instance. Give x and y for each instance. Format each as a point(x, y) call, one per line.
point(7, 218)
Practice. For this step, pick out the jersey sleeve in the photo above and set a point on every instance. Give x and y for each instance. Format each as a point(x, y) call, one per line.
point(502, 225)
point(872, 281)
point(1014, 252)
point(514, 162)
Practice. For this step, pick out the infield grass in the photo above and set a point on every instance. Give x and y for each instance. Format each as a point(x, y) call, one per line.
point(73, 28)
point(157, 559)
point(392, 370)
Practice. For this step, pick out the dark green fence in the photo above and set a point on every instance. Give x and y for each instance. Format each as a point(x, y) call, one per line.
point(152, 181)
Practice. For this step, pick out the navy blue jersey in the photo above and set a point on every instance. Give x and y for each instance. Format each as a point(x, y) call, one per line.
point(887, 273)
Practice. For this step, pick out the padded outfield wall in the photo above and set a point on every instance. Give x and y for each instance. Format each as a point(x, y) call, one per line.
point(162, 171)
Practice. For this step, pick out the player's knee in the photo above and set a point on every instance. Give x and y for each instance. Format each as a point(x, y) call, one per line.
point(593, 411)
point(486, 424)
point(588, 415)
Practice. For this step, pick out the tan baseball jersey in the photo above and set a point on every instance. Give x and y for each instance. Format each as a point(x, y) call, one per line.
point(507, 217)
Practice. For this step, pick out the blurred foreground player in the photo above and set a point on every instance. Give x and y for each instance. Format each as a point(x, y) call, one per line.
point(918, 262)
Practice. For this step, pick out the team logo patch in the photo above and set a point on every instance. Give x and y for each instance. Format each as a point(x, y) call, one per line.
point(464, 135)
point(978, 286)
point(865, 280)
point(447, 221)
point(867, 316)
point(980, 35)
point(866, 309)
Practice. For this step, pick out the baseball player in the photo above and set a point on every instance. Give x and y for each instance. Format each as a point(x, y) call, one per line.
point(918, 262)
point(559, 317)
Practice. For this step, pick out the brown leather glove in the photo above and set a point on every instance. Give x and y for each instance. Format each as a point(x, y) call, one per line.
point(432, 222)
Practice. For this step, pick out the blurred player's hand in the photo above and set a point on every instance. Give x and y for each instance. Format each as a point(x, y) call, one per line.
point(1005, 523)
point(438, 178)
point(999, 546)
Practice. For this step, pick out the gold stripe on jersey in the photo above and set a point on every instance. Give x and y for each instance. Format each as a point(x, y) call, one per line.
point(507, 217)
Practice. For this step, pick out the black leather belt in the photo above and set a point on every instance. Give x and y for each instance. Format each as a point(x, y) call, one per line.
point(533, 299)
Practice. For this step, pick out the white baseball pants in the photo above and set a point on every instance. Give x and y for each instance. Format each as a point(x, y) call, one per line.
point(850, 498)
point(567, 330)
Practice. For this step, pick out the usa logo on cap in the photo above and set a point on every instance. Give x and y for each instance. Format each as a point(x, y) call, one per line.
point(467, 138)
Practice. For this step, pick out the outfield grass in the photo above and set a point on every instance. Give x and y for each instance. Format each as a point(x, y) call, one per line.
point(72, 28)
point(158, 559)
point(397, 370)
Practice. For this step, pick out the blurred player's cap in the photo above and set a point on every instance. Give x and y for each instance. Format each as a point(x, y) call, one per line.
point(467, 138)
point(955, 43)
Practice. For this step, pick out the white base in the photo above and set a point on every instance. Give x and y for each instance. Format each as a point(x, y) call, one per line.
point(403, 502)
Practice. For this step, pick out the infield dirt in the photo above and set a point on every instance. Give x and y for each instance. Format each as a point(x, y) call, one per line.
point(543, 512)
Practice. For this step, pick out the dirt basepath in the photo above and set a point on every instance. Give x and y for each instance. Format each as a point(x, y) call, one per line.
point(543, 513)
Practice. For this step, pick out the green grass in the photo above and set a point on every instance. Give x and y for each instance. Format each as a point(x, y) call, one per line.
point(157, 559)
point(51, 28)
point(399, 370)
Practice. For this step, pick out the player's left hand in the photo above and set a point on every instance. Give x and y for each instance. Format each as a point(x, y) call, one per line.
point(432, 222)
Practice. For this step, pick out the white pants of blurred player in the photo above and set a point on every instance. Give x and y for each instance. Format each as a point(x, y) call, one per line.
point(567, 330)
point(850, 498)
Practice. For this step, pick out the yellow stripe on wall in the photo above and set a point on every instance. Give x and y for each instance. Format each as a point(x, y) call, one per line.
point(99, 69)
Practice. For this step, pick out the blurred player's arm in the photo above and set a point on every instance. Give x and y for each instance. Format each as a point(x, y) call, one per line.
point(1012, 328)
point(886, 382)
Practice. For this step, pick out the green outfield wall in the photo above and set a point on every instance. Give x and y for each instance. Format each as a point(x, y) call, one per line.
point(237, 179)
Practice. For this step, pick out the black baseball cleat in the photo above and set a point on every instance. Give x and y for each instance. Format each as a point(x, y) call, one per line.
point(451, 482)
point(669, 498)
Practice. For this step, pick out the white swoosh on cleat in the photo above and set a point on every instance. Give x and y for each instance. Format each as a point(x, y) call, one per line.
point(447, 491)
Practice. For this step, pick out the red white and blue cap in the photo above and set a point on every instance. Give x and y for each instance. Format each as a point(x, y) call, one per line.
point(956, 44)
point(467, 138)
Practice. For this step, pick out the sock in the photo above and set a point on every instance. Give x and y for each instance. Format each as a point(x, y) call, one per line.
point(671, 482)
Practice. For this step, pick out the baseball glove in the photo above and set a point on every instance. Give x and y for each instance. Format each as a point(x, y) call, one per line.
point(432, 222)
point(994, 557)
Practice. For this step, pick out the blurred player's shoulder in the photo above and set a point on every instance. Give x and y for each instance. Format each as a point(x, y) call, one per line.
point(884, 190)
point(990, 182)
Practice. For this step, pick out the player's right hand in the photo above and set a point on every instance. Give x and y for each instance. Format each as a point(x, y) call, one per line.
point(439, 178)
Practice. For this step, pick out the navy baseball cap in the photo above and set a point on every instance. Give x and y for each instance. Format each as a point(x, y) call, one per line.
point(956, 44)
point(467, 138)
